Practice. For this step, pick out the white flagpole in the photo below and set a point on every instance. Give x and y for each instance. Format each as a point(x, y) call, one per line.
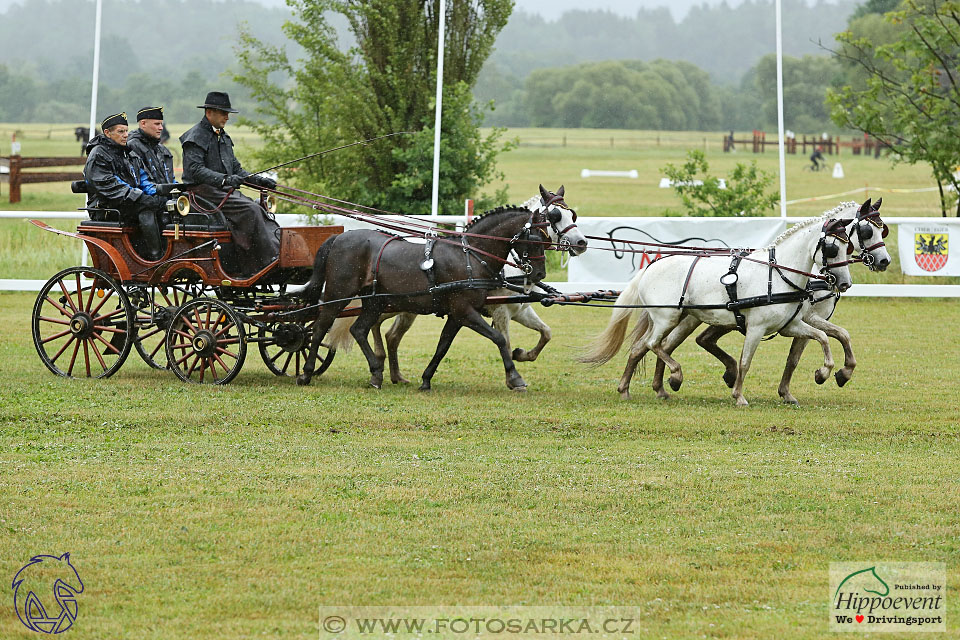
point(783, 162)
point(435, 198)
point(96, 71)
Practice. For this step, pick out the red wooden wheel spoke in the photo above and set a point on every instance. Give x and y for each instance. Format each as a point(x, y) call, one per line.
point(108, 329)
point(226, 328)
point(222, 364)
point(181, 360)
point(203, 367)
point(209, 309)
point(151, 333)
point(196, 361)
point(156, 349)
point(228, 353)
point(67, 296)
point(286, 363)
point(86, 357)
point(60, 308)
point(183, 334)
point(93, 346)
point(213, 370)
point(190, 326)
point(55, 336)
point(109, 346)
point(73, 358)
point(229, 341)
point(54, 320)
point(62, 349)
point(182, 345)
point(196, 314)
point(110, 315)
point(274, 359)
point(102, 302)
point(79, 293)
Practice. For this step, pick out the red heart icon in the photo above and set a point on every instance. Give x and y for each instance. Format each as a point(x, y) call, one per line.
point(859, 618)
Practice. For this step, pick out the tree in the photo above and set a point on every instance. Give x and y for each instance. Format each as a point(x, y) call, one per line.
point(910, 97)
point(383, 84)
point(701, 194)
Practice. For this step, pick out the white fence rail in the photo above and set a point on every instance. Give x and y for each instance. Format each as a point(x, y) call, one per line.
point(865, 290)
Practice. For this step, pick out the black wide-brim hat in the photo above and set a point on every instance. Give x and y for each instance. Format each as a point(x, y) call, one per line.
point(218, 100)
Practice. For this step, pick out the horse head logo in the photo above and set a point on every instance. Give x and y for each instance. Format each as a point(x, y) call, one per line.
point(865, 580)
point(43, 585)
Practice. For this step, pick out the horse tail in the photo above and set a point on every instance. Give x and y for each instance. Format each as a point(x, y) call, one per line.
point(640, 329)
point(312, 291)
point(339, 336)
point(606, 345)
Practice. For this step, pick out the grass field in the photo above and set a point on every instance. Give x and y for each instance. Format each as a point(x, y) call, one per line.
point(236, 512)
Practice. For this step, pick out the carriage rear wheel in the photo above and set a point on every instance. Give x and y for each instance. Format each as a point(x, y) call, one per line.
point(206, 342)
point(155, 309)
point(82, 324)
point(285, 351)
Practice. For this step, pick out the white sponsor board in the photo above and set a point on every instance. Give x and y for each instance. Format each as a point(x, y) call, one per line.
point(615, 261)
point(925, 249)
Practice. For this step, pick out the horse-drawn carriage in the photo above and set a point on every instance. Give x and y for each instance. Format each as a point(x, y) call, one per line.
point(186, 311)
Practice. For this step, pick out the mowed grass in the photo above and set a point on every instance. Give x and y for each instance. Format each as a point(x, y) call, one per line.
point(197, 512)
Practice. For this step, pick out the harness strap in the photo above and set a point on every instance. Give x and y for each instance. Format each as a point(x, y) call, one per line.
point(376, 270)
point(686, 282)
point(729, 281)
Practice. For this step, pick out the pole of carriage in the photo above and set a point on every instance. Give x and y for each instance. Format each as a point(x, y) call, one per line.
point(783, 162)
point(93, 98)
point(435, 196)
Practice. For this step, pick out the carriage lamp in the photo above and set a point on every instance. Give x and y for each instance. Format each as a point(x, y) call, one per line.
point(181, 205)
point(271, 203)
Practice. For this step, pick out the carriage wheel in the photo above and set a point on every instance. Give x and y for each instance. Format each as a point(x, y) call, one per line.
point(151, 335)
point(206, 342)
point(286, 352)
point(82, 324)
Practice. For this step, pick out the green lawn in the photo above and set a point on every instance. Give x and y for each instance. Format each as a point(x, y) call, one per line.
point(235, 512)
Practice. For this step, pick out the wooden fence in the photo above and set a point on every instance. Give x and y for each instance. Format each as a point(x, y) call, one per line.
point(17, 177)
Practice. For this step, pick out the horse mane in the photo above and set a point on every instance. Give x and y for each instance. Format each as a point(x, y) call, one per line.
point(803, 224)
point(534, 200)
point(493, 213)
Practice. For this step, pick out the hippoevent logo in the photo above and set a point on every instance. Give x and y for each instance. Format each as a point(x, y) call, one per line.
point(888, 596)
point(931, 250)
point(45, 593)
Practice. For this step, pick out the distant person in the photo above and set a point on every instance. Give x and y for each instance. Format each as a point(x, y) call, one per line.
point(817, 161)
point(208, 160)
point(117, 179)
point(730, 145)
point(146, 143)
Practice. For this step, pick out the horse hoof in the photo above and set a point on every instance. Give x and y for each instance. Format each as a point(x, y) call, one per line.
point(520, 389)
point(819, 377)
point(518, 354)
point(625, 395)
point(842, 377)
point(742, 402)
point(791, 401)
point(729, 379)
point(675, 382)
point(663, 395)
point(302, 380)
point(425, 387)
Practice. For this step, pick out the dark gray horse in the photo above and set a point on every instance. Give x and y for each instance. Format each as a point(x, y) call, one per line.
point(389, 273)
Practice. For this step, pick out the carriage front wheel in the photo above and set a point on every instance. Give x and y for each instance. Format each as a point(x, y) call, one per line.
point(82, 324)
point(206, 342)
point(284, 349)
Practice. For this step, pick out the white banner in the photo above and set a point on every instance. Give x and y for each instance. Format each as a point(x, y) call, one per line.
point(615, 261)
point(925, 250)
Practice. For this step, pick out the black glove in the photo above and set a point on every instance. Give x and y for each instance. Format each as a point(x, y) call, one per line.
point(232, 181)
point(262, 181)
point(153, 202)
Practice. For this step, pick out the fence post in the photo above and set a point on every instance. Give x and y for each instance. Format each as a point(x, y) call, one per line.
point(15, 178)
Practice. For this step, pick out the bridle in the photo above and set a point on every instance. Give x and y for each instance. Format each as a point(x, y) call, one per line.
point(837, 230)
point(521, 242)
point(554, 217)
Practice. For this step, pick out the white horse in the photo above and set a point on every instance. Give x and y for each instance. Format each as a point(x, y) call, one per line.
point(563, 231)
point(704, 287)
point(866, 233)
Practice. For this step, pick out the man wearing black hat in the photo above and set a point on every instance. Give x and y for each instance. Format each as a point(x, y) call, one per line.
point(116, 179)
point(146, 143)
point(208, 160)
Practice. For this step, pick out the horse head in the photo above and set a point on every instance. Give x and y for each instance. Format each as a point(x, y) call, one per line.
point(834, 248)
point(870, 232)
point(34, 581)
point(562, 221)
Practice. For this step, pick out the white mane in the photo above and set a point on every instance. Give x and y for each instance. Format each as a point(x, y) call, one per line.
point(533, 204)
point(803, 224)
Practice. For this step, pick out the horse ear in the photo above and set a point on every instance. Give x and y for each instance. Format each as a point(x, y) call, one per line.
point(544, 193)
point(865, 207)
point(560, 191)
point(876, 205)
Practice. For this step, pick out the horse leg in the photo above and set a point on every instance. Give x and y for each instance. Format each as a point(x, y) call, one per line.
point(325, 319)
point(378, 349)
point(527, 317)
point(843, 336)
point(473, 320)
point(800, 329)
point(447, 334)
point(651, 331)
point(750, 344)
point(793, 359)
point(398, 329)
point(680, 333)
point(708, 341)
point(365, 321)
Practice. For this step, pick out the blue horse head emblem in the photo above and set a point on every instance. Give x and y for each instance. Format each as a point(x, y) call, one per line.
point(45, 593)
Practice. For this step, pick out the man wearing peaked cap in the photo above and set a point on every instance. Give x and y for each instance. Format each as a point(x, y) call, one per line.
point(117, 179)
point(145, 142)
point(209, 160)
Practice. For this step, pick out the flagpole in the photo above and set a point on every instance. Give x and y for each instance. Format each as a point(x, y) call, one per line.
point(783, 162)
point(435, 196)
point(96, 71)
